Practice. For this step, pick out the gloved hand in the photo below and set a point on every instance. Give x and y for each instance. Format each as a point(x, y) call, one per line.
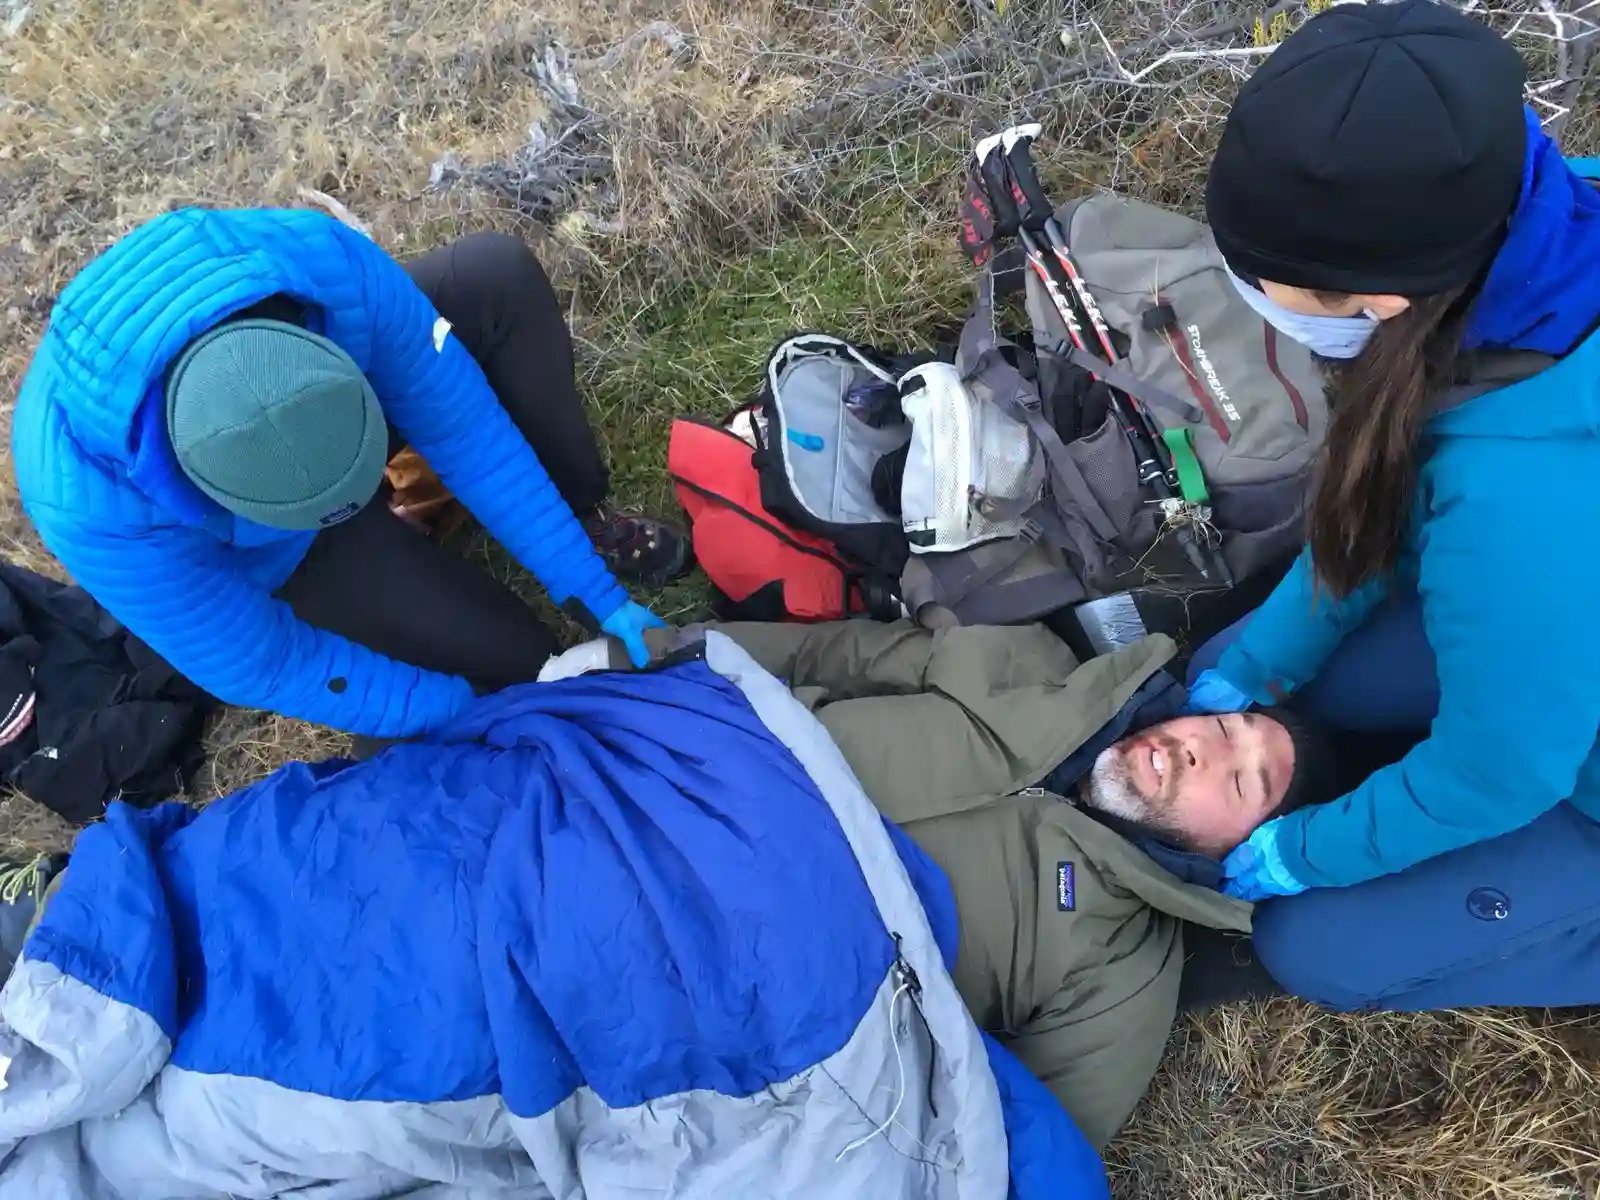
point(628, 624)
point(1212, 693)
point(1256, 870)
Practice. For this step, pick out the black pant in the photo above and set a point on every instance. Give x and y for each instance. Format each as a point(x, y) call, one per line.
point(382, 583)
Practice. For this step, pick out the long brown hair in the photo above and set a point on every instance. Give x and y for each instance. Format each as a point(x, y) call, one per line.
point(1361, 508)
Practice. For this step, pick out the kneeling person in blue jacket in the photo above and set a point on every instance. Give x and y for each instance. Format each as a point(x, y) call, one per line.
point(202, 439)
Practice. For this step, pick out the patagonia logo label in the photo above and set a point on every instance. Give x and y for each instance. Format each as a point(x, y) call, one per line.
point(1066, 888)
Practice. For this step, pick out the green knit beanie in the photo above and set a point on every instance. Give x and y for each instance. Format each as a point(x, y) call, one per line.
point(276, 424)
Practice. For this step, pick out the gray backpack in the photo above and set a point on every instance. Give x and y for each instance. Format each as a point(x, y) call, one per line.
point(1211, 374)
point(976, 485)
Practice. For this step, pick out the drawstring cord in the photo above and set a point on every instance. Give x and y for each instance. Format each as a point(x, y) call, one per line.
point(900, 1062)
point(17, 878)
point(911, 987)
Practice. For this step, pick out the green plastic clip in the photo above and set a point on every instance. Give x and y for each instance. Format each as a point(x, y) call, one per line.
point(1191, 480)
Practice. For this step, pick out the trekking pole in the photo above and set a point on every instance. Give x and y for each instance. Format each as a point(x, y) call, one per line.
point(996, 175)
point(1034, 208)
point(1018, 142)
point(992, 168)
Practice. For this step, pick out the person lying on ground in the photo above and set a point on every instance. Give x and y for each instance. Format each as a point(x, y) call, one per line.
point(501, 953)
point(202, 437)
point(1381, 193)
point(633, 933)
point(1078, 817)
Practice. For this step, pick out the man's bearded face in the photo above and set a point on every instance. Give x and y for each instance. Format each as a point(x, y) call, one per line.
point(1203, 783)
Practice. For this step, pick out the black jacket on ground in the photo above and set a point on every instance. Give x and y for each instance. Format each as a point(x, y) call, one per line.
point(110, 719)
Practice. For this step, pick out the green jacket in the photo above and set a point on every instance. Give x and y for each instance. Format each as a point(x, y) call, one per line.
point(949, 733)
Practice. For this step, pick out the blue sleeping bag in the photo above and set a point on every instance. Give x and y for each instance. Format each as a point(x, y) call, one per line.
point(622, 936)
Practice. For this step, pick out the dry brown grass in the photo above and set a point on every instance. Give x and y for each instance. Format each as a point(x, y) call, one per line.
point(1283, 1100)
point(730, 170)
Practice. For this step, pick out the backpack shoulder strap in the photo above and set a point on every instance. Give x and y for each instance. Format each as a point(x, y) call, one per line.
point(1064, 472)
point(1143, 390)
point(1050, 332)
point(981, 363)
point(963, 573)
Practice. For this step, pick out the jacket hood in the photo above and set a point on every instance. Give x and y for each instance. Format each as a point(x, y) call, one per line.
point(124, 318)
point(1542, 291)
point(1538, 308)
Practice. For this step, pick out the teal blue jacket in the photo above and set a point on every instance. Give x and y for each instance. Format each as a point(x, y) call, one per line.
point(1502, 554)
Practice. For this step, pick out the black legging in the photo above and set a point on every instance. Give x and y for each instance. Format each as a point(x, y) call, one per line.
point(382, 583)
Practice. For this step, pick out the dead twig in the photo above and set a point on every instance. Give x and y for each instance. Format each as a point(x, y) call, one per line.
point(656, 31)
point(550, 171)
point(1081, 69)
point(333, 208)
point(960, 57)
point(1176, 56)
point(1574, 59)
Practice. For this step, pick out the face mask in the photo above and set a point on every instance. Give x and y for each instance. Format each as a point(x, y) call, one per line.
point(1331, 337)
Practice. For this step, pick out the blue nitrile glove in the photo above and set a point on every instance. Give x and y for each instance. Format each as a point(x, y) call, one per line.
point(628, 624)
point(1256, 870)
point(1212, 693)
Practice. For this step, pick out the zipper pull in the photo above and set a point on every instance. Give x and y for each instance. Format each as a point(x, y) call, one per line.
point(906, 977)
point(905, 974)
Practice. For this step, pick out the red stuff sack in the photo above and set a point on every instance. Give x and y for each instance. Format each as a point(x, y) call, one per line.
point(766, 569)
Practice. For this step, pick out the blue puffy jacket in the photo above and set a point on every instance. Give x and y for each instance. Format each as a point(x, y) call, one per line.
point(99, 478)
point(1508, 512)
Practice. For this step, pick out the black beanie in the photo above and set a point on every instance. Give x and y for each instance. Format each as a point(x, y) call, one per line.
point(1379, 149)
point(1316, 777)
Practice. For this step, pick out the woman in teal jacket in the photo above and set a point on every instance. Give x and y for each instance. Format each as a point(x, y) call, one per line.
point(1381, 195)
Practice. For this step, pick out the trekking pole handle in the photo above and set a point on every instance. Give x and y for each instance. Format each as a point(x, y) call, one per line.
point(992, 172)
point(1019, 157)
point(1020, 203)
point(1034, 205)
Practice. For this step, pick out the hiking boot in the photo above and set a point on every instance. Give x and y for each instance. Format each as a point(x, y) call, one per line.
point(641, 549)
point(23, 886)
